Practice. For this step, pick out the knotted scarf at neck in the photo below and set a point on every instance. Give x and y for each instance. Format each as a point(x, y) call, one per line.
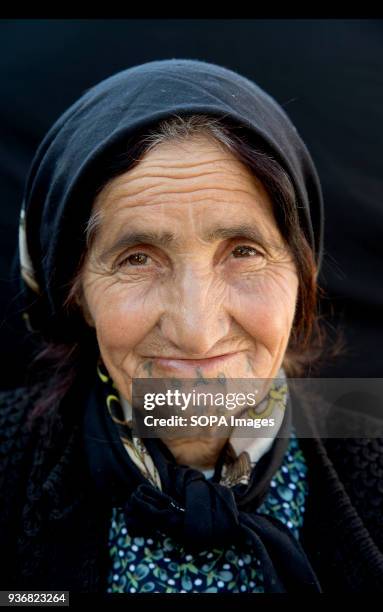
point(158, 494)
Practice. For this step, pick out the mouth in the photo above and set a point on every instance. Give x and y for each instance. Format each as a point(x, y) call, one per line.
point(187, 366)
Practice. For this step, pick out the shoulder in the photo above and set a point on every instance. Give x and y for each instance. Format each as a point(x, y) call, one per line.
point(19, 397)
point(15, 405)
point(343, 529)
point(359, 466)
point(346, 452)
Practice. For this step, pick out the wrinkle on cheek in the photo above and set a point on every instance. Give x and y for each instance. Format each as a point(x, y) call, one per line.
point(119, 332)
point(125, 313)
point(265, 307)
point(269, 285)
point(96, 288)
point(122, 314)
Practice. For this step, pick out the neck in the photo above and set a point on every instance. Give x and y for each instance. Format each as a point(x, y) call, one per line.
point(200, 454)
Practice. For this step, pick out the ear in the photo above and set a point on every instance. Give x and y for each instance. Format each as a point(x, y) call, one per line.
point(77, 297)
point(82, 303)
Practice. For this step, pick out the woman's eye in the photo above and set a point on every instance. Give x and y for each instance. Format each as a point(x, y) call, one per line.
point(136, 259)
point(141, 259)
point(245, 251)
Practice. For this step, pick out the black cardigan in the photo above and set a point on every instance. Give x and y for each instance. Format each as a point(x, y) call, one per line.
point(54, 528)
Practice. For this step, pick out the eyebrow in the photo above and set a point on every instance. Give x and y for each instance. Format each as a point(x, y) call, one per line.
point(166, 238)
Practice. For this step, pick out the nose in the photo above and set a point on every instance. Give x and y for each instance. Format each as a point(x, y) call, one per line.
point(195, 318)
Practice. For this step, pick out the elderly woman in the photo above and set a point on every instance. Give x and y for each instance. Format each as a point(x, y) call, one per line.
point(172, 229)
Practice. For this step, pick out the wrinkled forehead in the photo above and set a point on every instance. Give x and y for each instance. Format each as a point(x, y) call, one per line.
point(189, 183)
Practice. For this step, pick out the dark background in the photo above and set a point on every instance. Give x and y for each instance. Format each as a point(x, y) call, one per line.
point(326, 73)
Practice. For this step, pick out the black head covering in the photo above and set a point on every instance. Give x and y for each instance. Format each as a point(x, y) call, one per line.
point(61, 184)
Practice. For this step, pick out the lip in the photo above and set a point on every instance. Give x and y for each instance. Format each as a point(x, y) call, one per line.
point(189, 365)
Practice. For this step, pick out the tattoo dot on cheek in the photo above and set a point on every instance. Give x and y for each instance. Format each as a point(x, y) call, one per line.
point(201, 380)
point(148, 366)
point(176, 382)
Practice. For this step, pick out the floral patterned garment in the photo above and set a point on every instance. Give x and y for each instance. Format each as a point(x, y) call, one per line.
point(158, 564)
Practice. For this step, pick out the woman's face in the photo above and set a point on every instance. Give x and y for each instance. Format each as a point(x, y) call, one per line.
point(188, 274)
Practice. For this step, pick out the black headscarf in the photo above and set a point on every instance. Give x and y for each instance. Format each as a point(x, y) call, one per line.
point(61, 184)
